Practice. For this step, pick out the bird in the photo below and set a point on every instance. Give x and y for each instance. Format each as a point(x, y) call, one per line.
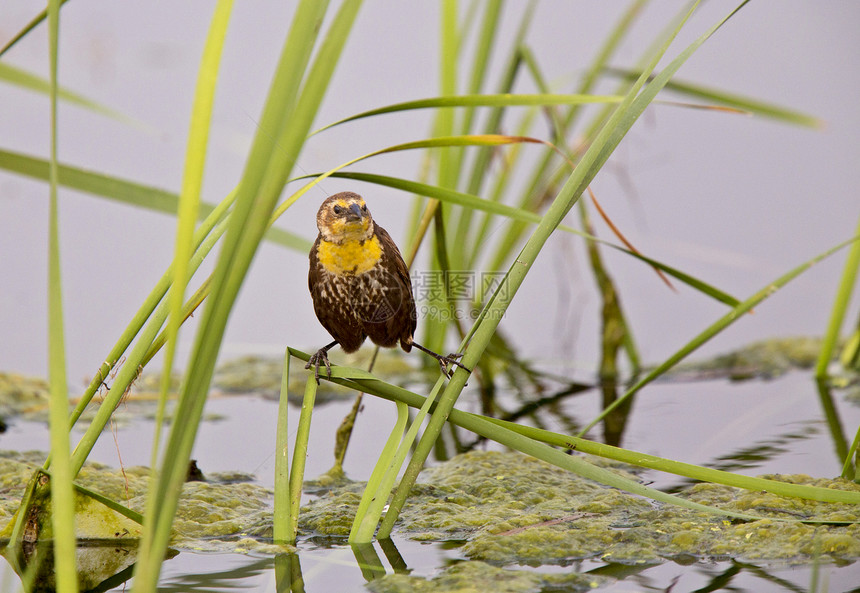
point(360, 285)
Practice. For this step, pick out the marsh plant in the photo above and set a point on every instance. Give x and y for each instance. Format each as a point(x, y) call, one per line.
point(472, 278)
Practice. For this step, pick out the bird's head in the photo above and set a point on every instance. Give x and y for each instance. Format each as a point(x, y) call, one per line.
point(344, 217)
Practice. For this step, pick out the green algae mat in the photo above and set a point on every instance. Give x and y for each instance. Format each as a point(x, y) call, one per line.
point(503, 508)
point(507, 508)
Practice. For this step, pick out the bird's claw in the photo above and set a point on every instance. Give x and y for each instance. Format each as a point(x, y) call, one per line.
point(319, 357)
point(446, 361)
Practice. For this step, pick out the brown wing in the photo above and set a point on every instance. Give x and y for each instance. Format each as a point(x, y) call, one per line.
point(403, 319)
point(313, 272)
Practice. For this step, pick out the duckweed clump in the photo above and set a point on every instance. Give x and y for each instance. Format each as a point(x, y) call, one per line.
point(27, 397)
point(477, 577)
point(491, 492)
point(21, 395)
point(512, 509)
point(250, 374)
point(767, 359)
point(260, 375)
point(332, 513)
point(209, 514)
point(505, 508)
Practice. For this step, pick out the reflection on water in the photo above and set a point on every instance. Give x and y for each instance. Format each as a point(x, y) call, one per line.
point(239, 575)
point(403, 566)
point(758, 452)
point(616, 421)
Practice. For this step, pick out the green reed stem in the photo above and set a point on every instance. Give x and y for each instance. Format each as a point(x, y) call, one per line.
point(474, 423)
point(189, 205)
point(480, 64)
point(283, 532)
point(38, 19)
point(294, 98)
point(840, 306)
point(300, 455)
point(507, 437)
point(138, 356)
point(362, 380)
point(378, 486)
point(715, 328)
point(851, 459)
point(539, 185)
point(62, 494)
point(189, 199)
point(369, 512)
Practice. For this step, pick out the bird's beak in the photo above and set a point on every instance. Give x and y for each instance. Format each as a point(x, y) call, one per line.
point(354, 213)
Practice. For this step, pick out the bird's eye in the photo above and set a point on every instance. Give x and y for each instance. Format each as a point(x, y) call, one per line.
point(364, 208)
point(338, 210)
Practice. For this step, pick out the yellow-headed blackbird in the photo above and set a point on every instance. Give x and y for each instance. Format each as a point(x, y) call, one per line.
point(360, 284)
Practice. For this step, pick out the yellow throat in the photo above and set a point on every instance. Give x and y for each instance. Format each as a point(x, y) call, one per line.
point(351, 256)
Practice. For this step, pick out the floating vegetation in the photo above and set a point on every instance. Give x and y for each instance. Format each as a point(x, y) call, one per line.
point(767, 359)
point(513, 509)
point(26, 397)
point(503, 509)
point(259, 375)
point(479, 576)
point(212, 514)
point(250, 374)
point(22, 396)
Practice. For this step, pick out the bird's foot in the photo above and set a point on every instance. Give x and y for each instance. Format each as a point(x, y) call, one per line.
point(316, 359)
point(445, 363)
